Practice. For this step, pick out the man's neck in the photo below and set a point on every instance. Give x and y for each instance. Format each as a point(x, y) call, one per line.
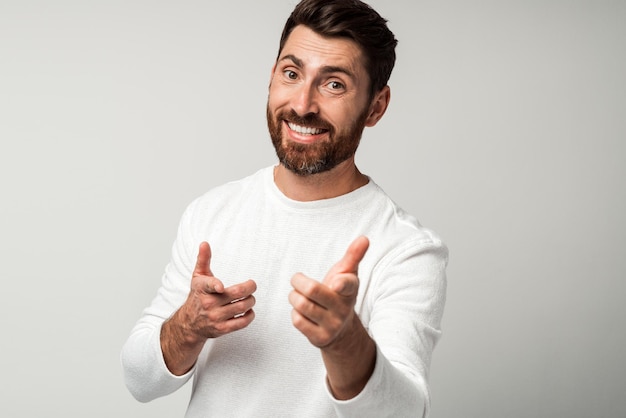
point(341, 180)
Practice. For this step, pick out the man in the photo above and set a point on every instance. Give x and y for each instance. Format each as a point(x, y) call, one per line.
point(302, 290)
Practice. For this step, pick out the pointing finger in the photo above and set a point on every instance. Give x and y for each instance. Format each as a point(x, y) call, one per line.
point(344, 284)
point(214, 285)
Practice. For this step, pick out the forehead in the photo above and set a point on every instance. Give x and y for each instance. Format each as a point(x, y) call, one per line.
point(316, 51)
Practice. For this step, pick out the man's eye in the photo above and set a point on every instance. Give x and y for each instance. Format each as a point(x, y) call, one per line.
point(336, 85)
point(290, 74)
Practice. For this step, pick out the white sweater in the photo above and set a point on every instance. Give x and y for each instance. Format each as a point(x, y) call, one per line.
point(269, 369)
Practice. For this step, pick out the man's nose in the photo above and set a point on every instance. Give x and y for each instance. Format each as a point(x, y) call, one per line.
point(305, 100)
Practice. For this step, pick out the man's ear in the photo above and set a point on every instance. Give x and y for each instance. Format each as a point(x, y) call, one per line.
point(378, 107)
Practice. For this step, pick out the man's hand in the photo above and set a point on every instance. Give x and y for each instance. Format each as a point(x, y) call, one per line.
point(210, 311)
point(324, 313)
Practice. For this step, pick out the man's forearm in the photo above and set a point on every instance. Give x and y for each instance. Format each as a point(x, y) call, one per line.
point(180, 348)
point(350, 363)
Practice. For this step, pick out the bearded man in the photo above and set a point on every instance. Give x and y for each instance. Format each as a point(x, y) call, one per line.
point(302, 290)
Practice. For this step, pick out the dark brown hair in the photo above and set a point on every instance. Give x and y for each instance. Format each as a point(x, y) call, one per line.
point(354, 20)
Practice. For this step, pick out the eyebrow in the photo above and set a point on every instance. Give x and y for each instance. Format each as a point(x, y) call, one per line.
point(328, 69)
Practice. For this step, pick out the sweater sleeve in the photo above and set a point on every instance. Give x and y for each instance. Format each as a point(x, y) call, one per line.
point(402, 311)
point(145, 373)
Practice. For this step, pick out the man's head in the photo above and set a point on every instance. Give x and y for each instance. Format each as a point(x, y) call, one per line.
point(354, 20)
point(328, 83)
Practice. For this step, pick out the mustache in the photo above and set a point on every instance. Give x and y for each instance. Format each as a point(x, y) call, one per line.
point(310, 119)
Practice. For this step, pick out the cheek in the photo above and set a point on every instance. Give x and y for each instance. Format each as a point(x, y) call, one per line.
point(278, 93)
point(275, 100)
point(341, 117)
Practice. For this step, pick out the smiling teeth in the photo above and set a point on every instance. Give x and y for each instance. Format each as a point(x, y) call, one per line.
point(304, 130)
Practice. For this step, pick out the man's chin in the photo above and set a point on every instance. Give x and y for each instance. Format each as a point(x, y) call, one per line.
point(305, 168)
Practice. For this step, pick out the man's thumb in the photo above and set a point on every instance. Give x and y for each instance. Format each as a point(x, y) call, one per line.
point(353, 256)
point(203, 263)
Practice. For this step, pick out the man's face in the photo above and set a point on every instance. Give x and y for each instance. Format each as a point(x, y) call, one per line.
point(318, 101)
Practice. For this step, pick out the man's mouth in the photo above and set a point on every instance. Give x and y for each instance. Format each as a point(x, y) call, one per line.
point(305, 130)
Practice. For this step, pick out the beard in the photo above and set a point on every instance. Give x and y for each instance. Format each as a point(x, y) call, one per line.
point(318, 157)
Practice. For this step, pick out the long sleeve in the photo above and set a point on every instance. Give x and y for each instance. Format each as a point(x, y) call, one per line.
point(402, 310)
point(145, 372)
point(257, 233)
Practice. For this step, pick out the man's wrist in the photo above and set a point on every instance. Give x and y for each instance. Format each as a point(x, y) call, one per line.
point(177, 328)
point(350, 361)
point(180, 347)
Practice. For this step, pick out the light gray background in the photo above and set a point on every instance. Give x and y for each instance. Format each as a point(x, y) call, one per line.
point(505, 134)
